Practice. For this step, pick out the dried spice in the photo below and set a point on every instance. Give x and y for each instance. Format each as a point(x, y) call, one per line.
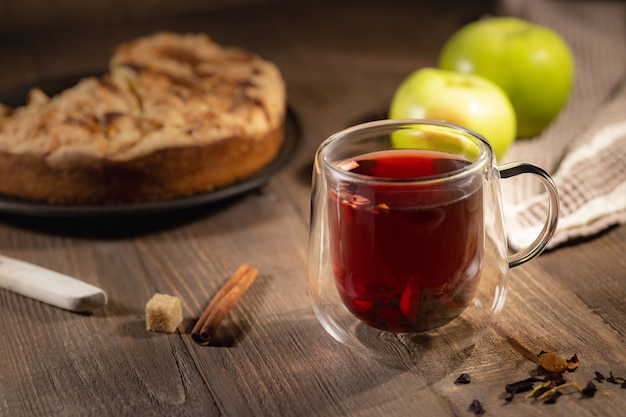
point(553, 398)
point(477, 408)
point(552, 362)
point(540, 389)
point(549, 382)
point(572, 363)
point(228, 295)
point(557, 389)
point(524, 385)
point(590, 390)
point(463, 379)
point(616, 380)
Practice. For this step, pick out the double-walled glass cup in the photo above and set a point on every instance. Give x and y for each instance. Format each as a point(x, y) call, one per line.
point(407, 247)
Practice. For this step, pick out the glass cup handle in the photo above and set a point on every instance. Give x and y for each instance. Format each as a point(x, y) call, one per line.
point(536, 247)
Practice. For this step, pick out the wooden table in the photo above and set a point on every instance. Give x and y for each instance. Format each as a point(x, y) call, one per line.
point(341, 61)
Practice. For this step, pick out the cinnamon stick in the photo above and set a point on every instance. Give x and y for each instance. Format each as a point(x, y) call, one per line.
point(210, 320)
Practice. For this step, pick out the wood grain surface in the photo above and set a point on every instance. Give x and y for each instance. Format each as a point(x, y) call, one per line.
point(341, 62)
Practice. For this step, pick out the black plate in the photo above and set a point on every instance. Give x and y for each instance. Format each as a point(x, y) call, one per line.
point(287, 153)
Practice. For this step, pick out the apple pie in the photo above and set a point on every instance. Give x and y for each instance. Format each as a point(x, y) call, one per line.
point(175, 115)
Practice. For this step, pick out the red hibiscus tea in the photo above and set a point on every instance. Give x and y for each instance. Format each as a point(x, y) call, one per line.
point(406, 247)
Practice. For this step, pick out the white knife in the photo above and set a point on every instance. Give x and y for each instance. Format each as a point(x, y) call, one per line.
point(49, 286)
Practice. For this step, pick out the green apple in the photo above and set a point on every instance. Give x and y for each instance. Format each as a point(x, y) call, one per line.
point(464, 99)
point(531, 63)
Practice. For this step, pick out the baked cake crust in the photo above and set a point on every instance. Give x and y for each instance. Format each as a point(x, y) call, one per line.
point(176, 115)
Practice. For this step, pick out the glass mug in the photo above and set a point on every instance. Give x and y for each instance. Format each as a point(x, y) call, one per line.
point(407, 247)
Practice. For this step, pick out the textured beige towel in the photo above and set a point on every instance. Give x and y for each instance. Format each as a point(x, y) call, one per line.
point(584, 149)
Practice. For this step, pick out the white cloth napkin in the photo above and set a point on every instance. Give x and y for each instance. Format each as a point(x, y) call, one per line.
point(584, 149)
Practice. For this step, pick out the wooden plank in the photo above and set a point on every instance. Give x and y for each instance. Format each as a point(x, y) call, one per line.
point(271, 356)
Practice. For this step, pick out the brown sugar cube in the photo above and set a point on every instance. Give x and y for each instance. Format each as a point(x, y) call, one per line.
point(163, 313)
